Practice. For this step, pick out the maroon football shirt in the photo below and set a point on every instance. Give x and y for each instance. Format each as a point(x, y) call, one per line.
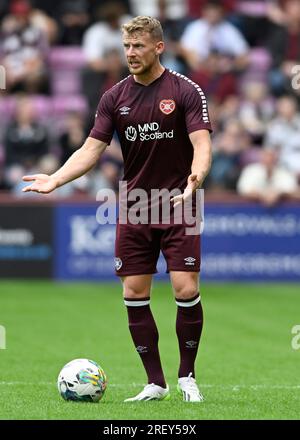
point(153, 124)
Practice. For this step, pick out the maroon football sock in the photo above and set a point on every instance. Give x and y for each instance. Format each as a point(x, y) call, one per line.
point(189, 324)
point(145, 338)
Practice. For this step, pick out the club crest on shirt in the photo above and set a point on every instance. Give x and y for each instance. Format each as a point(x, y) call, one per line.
point(167, 106)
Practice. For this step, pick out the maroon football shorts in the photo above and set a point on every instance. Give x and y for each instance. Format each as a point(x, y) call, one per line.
point(137, 248)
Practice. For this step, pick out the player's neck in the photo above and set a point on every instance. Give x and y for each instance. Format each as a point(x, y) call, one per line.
point(148, 77)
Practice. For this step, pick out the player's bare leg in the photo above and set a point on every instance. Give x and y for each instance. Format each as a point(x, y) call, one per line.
point(144, 333)
point(189, 324)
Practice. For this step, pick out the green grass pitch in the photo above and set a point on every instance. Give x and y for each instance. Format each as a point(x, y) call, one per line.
point(246, 367)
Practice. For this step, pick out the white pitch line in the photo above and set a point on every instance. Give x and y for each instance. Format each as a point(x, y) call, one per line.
point(223, 387)
point(54, 384)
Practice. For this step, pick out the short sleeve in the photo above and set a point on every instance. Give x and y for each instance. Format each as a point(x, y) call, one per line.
point(103, 129)
point(196, 109)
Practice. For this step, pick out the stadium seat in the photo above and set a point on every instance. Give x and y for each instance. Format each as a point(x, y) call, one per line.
point(260, 59)
point(260, 62)
point(64, 104)
point(50, 111)
point(42, 106)
point(2, 155)
point(66, 57)
point(65, 66)
point(249, 156)
point(7, 108)
point(65, 82)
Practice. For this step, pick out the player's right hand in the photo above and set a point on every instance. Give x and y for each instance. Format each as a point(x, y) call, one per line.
point(42, 183)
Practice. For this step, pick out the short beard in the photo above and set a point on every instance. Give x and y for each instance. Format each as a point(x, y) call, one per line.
point(143, 71)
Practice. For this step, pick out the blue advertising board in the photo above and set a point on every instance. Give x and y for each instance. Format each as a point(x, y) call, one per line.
point(26, 241)
point(84, 249)
point(240, 242)
point(251, 242)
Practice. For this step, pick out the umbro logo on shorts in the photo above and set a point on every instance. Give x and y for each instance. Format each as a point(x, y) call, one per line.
point(118, 263)
point(190, 261)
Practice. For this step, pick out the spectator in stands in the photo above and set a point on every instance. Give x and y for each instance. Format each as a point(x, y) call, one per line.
point(256, 110)
point(115, 69)
point(13, 178)
point(47, 25)
point(74, 20)
point(25, 140)
point(284, 46)
point(211, 33)
point(284, 131)
point(100, 40)
point(173, 9)
point(216, 78)
point(106, 176)
point(195, 7)
point(109, 171)
point(253, 19)
point(105, 35)
point(266, 181)
point(50, 7)
point(228, 149)
point(114, 152)
point(4, 7)
point(48, 164)
point(228, 111)
point(4, 184)
point(94, 7)
point(72, 137)
point(174, 18)
point(23, 51)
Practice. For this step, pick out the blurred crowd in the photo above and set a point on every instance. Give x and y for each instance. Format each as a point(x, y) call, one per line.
point(61, 55)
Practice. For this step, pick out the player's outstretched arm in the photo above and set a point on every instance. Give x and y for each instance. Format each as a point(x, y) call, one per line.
point(202, 158)
point(200, 166)
point(78, 164)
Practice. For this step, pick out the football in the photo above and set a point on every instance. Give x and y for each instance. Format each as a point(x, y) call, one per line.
point(82, 380)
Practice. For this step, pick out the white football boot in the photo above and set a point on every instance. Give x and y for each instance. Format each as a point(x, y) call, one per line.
point(188, 387)
point(151, 392)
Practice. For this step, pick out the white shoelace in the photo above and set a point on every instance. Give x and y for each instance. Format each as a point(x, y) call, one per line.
point(190, 385)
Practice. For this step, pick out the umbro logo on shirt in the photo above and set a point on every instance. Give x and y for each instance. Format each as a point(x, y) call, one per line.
point(124, 110)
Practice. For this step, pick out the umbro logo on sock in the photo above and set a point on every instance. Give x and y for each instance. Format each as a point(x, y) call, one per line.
point(191, 344)
point(141, 349)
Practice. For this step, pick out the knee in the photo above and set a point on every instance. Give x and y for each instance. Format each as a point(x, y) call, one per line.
point(134, 292)
point(186, 292)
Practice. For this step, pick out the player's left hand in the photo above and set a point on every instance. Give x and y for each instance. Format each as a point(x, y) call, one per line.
point(193, 183)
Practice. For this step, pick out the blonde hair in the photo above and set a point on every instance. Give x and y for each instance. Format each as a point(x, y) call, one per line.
point(142, 24)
